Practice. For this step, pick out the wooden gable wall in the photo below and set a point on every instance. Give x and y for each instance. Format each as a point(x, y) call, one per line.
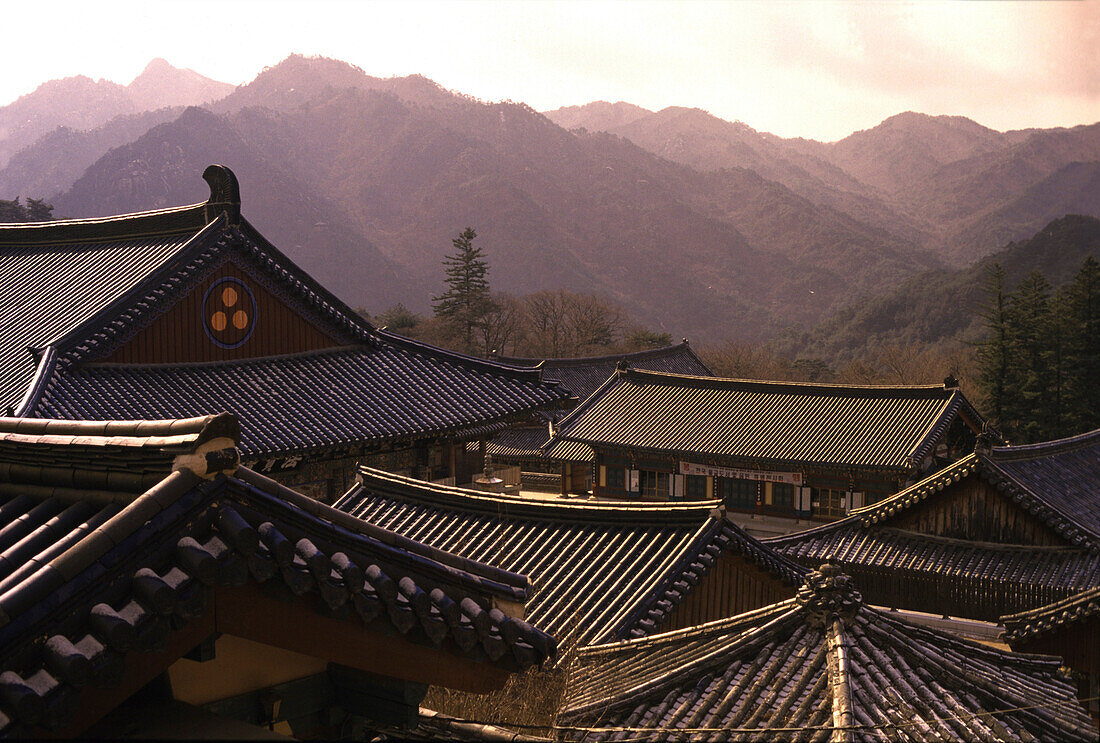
point(201, 326)
point(733, 586)
point(973, 509)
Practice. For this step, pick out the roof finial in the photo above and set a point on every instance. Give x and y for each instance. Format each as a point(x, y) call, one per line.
point(983, 442)
point(225, 194)
point(622, 365)
point(950, 382)
point(828, 593)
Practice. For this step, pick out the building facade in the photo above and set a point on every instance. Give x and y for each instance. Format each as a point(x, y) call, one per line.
point(790, 450)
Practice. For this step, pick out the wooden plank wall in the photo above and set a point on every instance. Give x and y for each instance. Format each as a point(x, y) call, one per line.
point(178, 335)
point(975, 510)
point(733, 586)
point(1078, 643)
point(984, 599)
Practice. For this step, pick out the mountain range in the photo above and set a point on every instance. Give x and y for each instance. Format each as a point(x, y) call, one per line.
point(695, 225)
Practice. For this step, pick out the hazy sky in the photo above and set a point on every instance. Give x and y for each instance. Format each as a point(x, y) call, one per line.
point(808, 68)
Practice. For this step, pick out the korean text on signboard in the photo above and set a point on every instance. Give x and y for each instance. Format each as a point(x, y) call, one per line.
point(691, 468)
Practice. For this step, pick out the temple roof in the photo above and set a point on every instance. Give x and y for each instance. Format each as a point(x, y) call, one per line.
point(598, 569)
point(1027, 625)
point(773, 423)
point(1054, 481)
point(77, 290)
point(584, 375)
point(821, 665)
point(304, 402)
point(115, 535)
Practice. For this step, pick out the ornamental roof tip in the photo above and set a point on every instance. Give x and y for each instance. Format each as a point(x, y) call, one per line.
point(828, 594)
point(225, 194)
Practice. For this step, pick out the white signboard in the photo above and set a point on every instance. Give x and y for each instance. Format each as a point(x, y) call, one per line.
point(706, 470)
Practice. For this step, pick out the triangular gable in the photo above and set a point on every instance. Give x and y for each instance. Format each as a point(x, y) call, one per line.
point(971, 500)
point(228, 295)
point(230, 314)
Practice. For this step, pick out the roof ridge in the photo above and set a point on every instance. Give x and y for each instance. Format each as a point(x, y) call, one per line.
point(585, 360)
point(1088, 594)
point(457, 357)
point(448, 496)
point(913, 494)
point(200, 428)
point(169, 221)
point(644, 375)
point(1044, 448)
point(78, 460)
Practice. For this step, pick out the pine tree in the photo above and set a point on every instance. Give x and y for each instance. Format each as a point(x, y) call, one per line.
point(995, 353)
point(466, 303)
point(1082, 308)
point(1028, 410)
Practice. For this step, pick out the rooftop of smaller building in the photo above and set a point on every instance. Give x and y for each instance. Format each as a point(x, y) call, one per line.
point(822, 665)
point(599, 569)
point(777, 423)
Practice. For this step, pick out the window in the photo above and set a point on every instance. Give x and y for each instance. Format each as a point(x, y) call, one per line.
point(739, 493)
point(783, 496)
point(695, 487)
point(830, 502)
point(653, 484)
point(616, 478)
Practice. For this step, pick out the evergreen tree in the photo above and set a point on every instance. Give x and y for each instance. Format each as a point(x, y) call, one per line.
point(995, 352)
point(1028, 408)
point(36, 210)
point(466, 303)
point(1082, 307)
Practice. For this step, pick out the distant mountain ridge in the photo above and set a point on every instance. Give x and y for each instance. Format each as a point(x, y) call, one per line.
point(695, 225)
point(698, 253)
point(944, 305)
point(81, 103)
point(936, 180)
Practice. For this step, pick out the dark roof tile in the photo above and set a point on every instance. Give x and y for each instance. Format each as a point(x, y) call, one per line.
point(821, 664)
point(766, 422)
point(114, 577)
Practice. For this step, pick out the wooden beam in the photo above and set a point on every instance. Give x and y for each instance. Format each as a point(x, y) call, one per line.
point(249, 613)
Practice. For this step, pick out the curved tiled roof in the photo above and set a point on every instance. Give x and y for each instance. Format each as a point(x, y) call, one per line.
point(98, 567)
point(303, 402)
point(1049, 481)
point(696, 563)
point(1057, 481)
point(776, 423)
point(1026, 625)
point(1063, 475)
point(820, 666)
point(51, 290)
point(593, 566)
point(80, 289)
point(583, 376)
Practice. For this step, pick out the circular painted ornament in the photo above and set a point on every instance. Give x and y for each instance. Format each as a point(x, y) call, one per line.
point(228, 312)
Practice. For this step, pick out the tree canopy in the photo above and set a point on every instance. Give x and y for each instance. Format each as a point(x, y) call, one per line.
point(466, 302)
point(35, 210)
point(1040, 359)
